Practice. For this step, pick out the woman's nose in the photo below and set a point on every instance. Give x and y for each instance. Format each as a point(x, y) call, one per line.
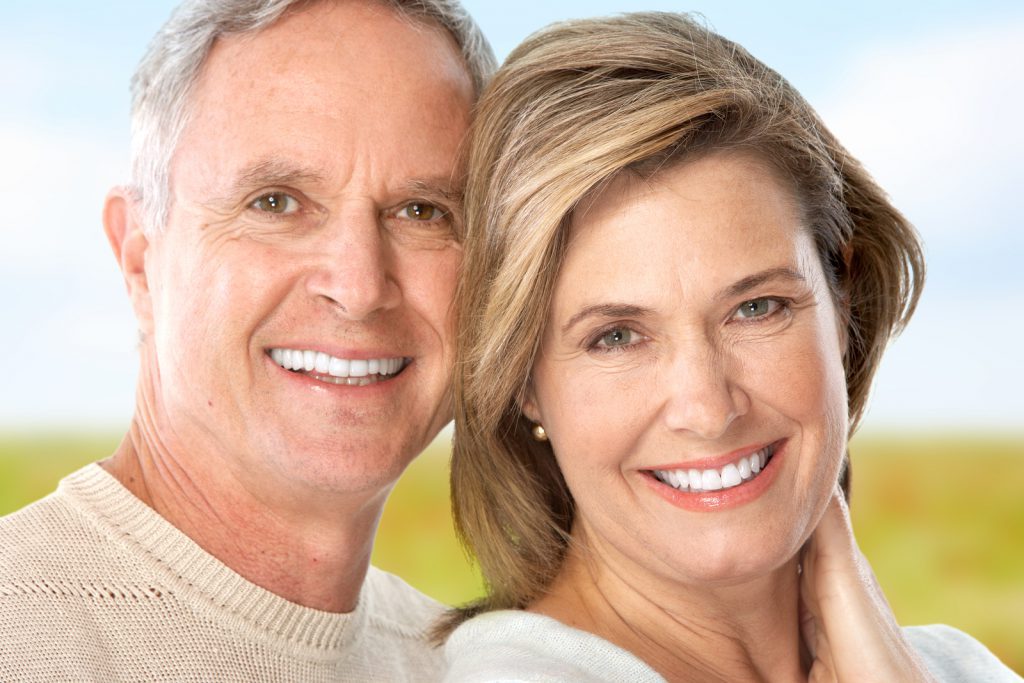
point(703, 397)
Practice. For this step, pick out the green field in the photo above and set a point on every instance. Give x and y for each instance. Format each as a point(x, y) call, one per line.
point(940, 518)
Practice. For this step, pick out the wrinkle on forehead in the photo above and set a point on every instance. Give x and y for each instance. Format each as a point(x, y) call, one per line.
point(354, 83)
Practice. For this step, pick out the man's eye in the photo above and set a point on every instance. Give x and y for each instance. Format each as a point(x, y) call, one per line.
point(421, 211)
point(757, 308)
point(276, 202)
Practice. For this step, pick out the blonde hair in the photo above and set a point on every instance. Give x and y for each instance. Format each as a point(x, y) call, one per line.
point(573, 106)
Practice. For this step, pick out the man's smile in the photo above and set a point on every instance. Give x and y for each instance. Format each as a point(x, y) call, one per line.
point(333, 370)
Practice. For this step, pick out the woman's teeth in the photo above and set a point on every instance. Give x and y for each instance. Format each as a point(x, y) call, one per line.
point(334, 370)
point(733, 474)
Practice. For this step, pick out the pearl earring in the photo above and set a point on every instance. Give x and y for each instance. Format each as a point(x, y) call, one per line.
point(538, 432)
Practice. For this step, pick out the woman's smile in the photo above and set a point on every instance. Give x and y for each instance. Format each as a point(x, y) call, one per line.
point(739, 481)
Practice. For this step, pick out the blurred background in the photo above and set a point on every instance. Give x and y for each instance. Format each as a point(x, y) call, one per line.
point(928, 95)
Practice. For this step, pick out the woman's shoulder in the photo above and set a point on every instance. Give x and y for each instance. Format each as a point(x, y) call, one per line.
point(516, 646)
point(952, 655)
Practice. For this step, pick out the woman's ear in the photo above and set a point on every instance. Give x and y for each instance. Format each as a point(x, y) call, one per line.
point(529, 404)
point(129, 243)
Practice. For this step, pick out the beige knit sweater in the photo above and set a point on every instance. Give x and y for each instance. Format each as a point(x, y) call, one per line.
point(96, 586)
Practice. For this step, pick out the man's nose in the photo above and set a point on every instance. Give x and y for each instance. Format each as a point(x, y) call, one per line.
point(703, 397)
point(354, 272)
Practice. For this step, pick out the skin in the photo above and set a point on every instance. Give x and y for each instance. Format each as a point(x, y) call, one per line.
point(691, 319)
point(312, 200)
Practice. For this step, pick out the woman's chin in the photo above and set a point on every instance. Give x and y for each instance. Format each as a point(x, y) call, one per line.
point(728, 564)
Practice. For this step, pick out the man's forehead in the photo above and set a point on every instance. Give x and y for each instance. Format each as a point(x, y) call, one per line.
point(356, 36)
point(329, 99)
point(338, 60)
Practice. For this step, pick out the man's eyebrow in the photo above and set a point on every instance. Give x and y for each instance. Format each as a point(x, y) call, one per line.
point(610, 310)
point(270, 172)
point(750, 282)
point(265, 173)
point(434, 187)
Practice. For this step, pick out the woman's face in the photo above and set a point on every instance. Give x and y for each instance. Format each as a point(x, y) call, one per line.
point(690, 378)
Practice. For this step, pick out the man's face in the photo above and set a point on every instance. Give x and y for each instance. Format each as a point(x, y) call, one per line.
point(309, 224)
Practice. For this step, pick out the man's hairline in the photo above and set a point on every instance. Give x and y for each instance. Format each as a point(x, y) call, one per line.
point(416, 21)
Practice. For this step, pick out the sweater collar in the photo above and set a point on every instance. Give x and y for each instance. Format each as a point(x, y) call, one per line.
point(200, 580)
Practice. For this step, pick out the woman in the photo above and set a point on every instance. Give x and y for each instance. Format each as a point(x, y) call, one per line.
point(677, 289)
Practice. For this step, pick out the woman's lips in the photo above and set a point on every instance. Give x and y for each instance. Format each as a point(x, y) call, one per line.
point(732, 474)
point(717, 488)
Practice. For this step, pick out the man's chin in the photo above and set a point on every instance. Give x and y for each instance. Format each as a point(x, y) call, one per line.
point(340, 465)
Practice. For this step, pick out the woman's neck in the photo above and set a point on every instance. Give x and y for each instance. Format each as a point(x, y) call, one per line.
point(746, 631)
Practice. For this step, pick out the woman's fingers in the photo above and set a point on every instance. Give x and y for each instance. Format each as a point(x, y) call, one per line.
point(848, 628)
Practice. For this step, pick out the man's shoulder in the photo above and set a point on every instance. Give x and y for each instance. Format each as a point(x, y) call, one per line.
point(38, 534)
point(397, 620)
point(58, 545)
point(397, 608)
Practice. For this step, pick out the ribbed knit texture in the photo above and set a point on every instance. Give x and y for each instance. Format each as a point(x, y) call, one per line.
point(96, 586)
point(523, 647)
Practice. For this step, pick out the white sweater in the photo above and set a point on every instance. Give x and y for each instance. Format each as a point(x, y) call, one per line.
point(96, 586)
point(523, 647)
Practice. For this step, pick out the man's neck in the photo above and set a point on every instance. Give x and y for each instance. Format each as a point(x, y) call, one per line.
point(315, 553)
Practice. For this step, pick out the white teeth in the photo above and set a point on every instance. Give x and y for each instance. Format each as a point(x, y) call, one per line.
point(338, 367)
point(358, 368)
point(711, 480)
point(323, 364)
point(730, 476)
point(733, 474)
point(744, 469)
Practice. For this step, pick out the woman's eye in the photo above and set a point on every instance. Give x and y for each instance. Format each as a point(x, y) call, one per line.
point(620, 336)
point(421, 211)
point(276, 202)
point(757, 308)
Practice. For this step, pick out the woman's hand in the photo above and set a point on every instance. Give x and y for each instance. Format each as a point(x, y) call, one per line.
point(847, 626)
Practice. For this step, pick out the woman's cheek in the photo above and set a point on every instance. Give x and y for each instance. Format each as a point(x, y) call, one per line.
point(599, 411)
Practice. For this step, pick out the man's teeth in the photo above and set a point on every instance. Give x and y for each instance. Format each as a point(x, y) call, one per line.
point(733, 474)
point(323, 364)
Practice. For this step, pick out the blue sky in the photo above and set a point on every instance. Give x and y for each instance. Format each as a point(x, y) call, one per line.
point(927, 94)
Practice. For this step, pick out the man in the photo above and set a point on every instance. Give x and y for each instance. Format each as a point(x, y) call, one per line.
point(289, 248)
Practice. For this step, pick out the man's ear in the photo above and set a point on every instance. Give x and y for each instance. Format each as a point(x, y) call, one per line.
point(129, 243)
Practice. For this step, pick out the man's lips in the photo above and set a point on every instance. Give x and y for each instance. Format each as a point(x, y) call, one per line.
point(337, 370)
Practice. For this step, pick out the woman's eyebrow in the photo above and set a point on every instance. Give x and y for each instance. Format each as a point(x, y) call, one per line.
point(621, 310)
point(744, 285)
point(609, 310)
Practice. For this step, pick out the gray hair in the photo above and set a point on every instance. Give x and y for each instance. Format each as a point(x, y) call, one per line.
point(164, 79)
